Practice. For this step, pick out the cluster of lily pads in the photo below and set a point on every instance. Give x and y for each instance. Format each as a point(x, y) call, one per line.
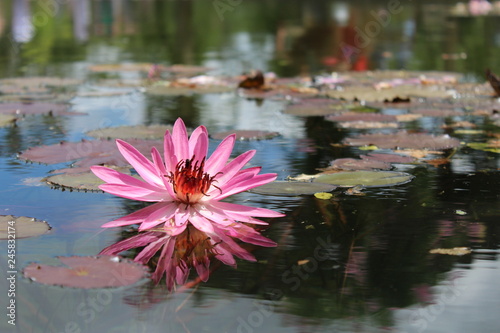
point(378, 104)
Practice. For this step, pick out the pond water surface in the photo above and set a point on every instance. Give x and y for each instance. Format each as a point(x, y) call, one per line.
point(354, 263)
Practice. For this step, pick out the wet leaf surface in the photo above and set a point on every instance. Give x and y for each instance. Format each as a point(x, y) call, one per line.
point(88, 272)
point(81, 181)
point(358, 164)
point(246, 135)
point(87, 153)
point(16, 227)
point(150, 132)
point(364, 178)
point(292, 188)
point(404, 140)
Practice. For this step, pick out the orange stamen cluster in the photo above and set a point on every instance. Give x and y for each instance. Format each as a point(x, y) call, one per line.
point(190, 181)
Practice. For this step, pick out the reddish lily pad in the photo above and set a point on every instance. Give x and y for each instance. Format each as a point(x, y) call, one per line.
point(15, 227)
point(150, 132)
point(87, 153)
point(36, 108)
point(292, 188)
point(402, 92)
point(88, 272)
point(365, 178)
point(246, 135)
point(404, 140)
point(29, 83)
point(7, 120)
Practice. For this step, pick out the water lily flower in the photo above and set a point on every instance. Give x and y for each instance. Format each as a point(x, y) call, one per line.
point(190, 248)
point(187, 185)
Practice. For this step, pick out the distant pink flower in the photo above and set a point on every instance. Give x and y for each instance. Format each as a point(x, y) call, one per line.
point(187, 185)
point(190, 248)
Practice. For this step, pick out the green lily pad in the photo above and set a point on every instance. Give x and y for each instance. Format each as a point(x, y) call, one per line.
point(484, 146)
point(365, 178)
point(15, 227)
point(7, 120)
point(82, 181)
point(292, 188)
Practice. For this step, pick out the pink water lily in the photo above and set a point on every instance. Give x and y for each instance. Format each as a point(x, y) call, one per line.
point(190, 248)
point(187, 185)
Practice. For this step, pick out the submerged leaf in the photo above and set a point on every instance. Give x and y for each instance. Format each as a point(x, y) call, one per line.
point(365, 178)
point(292, 188)
point(15, 227)
point(88, 272)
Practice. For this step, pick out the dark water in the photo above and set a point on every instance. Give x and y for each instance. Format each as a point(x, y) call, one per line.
point(351, 264)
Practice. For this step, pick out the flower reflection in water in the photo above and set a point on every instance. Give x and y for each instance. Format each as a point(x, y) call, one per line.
point(191, 248)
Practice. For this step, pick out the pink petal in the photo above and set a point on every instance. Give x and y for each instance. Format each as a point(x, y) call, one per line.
point(134, 192)
point(164, 260)
point(180, 140)
point(201, 223)
point(246, 185)
point(169, 152)
point(228, 172)
point(149, 251)
point(161, 215)
point(225, 256)
point(174, 230)
point(198, 143)
point(144, 167)
point(181, 216)
point(162, 171)
point(212, 213)
point(219, 157)
point(130, 243)
point(135, 217)
point(245, 211)
point(203, 269)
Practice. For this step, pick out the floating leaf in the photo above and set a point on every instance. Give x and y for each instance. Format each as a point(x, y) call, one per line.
point(401, 92)
point(36, 108)
point(82, 181)
point(131, 132)
point(389, 158)
point(88, 272)
point(358, 164)
point(323, 195)
point(489, 146)
point(29, 83)
point(364, 178)
point(246, 135)
point(292, 188)
point(316, 107)
point(15, 227)
point(438, 112)
point(367, 124)
point(362, 117)
point(86, 153)
point(404, 140)
point(7, 120)
point(456, 251)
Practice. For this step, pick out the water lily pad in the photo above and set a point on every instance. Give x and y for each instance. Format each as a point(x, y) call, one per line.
point(29, 83)
point(358, 164)
point(246, 135)
point(86, 153)
point(292, 188)
point(124, 67)
point(82, 181)
point(364, 117)
point(389, 158)
point(131, 132)
point(88, 272)
point(7, 120)
point(15, 227)
point(316, 107)
point(456, 251)
point(492, 146)
point(404, 140)
point(36, 108)
point(437, 112)
point(365, 178)
point(368, 124)
point(401, 92)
